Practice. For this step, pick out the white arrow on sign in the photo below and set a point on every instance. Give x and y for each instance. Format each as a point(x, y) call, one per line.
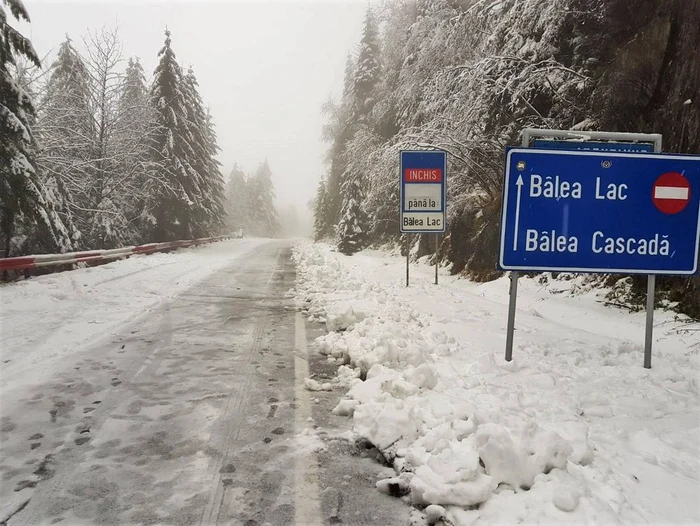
point(519, 183)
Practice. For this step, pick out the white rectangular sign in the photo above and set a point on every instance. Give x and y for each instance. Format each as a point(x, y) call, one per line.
point(422, 221)
point(422, 206)
point(422, 198)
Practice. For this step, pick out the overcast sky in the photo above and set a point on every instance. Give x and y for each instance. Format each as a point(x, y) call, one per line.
point(264, 67)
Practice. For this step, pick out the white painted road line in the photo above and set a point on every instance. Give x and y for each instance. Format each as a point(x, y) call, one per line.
point(307, 502)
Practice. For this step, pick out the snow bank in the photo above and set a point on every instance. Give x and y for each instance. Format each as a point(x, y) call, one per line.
point(568, 431)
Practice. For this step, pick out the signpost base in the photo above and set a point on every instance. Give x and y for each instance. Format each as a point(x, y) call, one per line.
point(511, 315)
point(648, 337)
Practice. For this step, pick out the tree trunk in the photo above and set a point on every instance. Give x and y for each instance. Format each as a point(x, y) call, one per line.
point(7, 224)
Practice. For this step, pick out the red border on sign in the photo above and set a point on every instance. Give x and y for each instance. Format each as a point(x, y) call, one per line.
point(671, 180)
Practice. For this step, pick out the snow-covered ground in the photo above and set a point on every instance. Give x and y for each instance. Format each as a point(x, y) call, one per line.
point(573, 430)
point(119, 385)
point(45, 320)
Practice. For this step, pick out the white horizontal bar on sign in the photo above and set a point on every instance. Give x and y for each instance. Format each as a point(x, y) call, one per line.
point(670, 192)
point(423, 221)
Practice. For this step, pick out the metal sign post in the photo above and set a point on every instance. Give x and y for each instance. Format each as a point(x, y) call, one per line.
point(423, 194)
point(511, 314)
point(649, 332)
point(437, 249)
point(651, 293)
point(408, 258)
point(513, 292)
point(599, 207)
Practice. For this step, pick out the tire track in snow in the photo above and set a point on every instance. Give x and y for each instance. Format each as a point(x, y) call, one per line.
point(233, 416)
point(47, 494)
point(65, 462)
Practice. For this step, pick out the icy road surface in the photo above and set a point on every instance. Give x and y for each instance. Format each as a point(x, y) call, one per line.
point(170, 389)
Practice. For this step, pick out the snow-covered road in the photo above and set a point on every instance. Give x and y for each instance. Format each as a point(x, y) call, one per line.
point(573, 430)
point(188, 388)
point(169, 389)
point(46, 322)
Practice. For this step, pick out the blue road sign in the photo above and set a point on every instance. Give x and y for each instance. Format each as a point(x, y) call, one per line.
point(586, 211)
point(606, 146)
point(423, 191)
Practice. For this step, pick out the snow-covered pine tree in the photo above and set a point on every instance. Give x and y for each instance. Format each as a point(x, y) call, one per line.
point(238, 209)
point(65, 132)
point(354, 224)
point(174, 198)
point(28, 77)
point(134, 87)
point(201, 155)
point(215, 196)
point(359, 99)
point(22, 195)
point(137, 127)
point(208, 212)
point(262, 196)
point(338, 132)
point(349, 75)
point(323, 227)
point(368, 70)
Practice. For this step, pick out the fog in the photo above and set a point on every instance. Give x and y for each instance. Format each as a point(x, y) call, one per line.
point(264, 68)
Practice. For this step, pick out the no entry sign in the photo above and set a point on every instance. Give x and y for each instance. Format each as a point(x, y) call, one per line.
point(671, 193)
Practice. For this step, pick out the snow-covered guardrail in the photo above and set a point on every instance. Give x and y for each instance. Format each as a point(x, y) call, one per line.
point(93, 256)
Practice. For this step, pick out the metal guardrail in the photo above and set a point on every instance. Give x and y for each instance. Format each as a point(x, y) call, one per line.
point(68, 258)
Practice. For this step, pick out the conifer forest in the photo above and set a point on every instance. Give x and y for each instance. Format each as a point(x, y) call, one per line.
point(466, 76)
point(98, 153)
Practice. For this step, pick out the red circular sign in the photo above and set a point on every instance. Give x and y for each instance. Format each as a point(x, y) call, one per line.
point(671, 193)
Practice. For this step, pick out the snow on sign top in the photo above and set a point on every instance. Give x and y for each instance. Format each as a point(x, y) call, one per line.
point(611, 212)
point(423, 177)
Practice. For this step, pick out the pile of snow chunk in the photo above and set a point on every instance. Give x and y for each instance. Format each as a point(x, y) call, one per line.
point(443, 451)
point(312, 385)
point(344, 314)
point(573, 430)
